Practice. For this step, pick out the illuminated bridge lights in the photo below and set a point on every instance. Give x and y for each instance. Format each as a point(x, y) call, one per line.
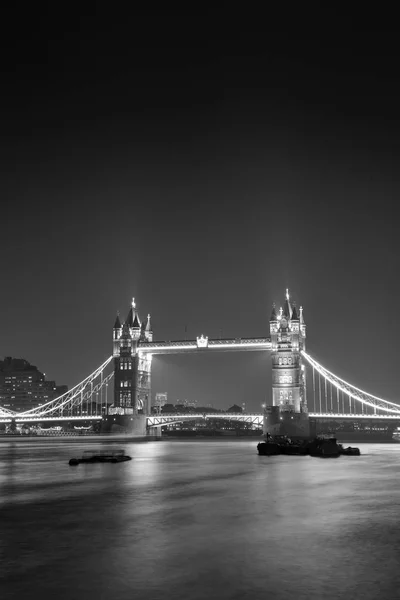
point(167, 419)
point(22, 419)
point(352, 416)
point(351, 391)
point(86, 392)
point(203, 344)
point(89, 391)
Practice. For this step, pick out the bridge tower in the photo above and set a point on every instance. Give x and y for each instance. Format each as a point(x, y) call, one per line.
point(287, 414)
point(132, 372)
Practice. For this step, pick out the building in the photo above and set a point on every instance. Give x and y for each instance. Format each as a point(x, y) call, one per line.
point(190, 404)
point(288, 413)
point(23, 386)
point(132, 370)
point(160, 400)
point(288, 335)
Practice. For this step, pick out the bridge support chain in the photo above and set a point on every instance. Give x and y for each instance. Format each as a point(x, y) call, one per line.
point(290, 423)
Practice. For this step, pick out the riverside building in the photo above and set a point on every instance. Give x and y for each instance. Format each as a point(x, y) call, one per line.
point(23, 386)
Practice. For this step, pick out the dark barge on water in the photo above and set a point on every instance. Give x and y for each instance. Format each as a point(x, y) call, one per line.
point(90, 457)
point(323, 447)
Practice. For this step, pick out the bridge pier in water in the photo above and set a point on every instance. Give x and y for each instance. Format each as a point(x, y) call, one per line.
point(287, 414)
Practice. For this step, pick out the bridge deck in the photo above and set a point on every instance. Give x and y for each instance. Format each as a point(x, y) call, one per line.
point(163, 419)
point(203, 344)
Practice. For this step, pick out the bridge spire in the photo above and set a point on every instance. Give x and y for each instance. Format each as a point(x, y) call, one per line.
point(288, 309)
point(132, 319)
point(129, 318)
point(125, 332)
point(294, 313)
point(273, 313)
point(117, 324)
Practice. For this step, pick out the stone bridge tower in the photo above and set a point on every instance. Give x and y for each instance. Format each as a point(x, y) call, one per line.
point(132, 372)
point(287, 413)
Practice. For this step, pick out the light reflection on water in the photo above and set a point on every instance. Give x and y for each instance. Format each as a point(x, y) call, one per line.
point(198, 519)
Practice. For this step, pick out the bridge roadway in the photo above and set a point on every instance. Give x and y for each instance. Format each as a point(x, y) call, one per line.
point(164, 419)
point(255, 418)
point(203, 344)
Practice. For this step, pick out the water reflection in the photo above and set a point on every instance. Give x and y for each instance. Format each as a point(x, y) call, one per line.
point(195, 520)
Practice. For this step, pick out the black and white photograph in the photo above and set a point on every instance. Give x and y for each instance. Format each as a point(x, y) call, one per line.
point(199, 307)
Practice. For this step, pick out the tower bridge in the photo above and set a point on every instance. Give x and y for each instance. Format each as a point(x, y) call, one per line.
point(119, 390)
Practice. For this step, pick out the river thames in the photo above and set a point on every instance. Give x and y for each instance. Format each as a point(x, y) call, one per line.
point(198, 519)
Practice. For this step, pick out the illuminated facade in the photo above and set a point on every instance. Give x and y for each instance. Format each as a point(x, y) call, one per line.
point(132, 368)
point(288, 335)
point(23, 386)
point(161, 399)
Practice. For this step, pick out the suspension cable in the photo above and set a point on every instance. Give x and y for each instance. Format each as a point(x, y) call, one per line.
point(351, 390)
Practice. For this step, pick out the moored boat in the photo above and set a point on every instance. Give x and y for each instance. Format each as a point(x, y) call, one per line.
point(89, 457)
point(281, 444)
point(349, 451)
point(268, 448)
point(323, 447)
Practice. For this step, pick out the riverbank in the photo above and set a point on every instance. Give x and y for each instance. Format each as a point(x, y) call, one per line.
point(94, 439)
point(124, 438)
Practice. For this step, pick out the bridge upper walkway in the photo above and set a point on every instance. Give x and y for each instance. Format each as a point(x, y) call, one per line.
point(203, 344)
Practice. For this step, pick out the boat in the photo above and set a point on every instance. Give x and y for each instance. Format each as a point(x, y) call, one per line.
point(349, 451)
point(323, 447)
point(90, 456)
point(268, 448)
point(327, 447)
point(281, 444)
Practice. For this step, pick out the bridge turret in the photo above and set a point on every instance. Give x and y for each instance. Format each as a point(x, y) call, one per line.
point(148, 329)
point(287, 413)
point(273, 326)
point(294, 313)
point(295, 328)
point(126, 338)
point(136, 326)
point(302, 327)
point(287, 310)
point(286, 345)
point(273, 317)
point(117, 331)
point(132, 369)
point(131, 314)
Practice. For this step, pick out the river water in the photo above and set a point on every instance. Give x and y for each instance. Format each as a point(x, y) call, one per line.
point(198, 520)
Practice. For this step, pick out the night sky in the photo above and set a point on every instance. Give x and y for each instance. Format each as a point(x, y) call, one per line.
point(202, 174)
